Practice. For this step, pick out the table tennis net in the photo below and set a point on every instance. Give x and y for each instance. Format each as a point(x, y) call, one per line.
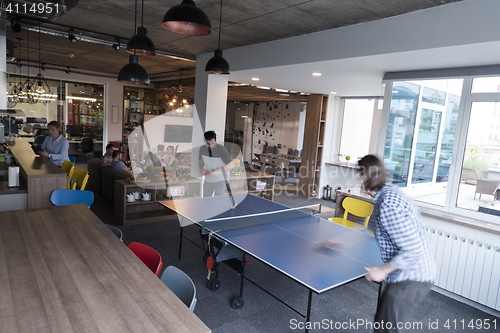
point(240, 222)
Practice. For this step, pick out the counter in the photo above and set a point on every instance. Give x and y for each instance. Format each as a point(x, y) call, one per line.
point(38, 175)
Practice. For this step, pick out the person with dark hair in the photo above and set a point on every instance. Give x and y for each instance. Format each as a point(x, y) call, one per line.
point(55, 146)
point(117, 164)
point(409, 270)
point(169, 157)
point(107, 158)
point(213, 161)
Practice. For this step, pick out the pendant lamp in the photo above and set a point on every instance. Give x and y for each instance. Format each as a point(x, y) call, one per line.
point(187, 19)
point(217, 64)
point(133, 72)
point(141, 44)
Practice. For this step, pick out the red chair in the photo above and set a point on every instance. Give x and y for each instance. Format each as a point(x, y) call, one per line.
point(149, 256)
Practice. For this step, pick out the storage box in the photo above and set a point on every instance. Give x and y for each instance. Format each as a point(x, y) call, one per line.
point(260, 185)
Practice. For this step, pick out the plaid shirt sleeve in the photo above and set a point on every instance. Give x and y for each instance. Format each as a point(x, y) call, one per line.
point(402, 238)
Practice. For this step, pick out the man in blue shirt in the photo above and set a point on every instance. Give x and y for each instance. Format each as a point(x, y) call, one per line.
point(55, 146)
point(117, 164)
point(409, 268)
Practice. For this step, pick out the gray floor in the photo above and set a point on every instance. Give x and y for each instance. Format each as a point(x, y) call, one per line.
point(351, 303)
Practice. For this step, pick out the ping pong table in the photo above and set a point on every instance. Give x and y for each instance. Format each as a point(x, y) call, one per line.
point(288, 245)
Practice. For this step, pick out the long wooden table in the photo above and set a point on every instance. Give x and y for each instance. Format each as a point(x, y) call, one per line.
point(38, 174)
point(62, 270)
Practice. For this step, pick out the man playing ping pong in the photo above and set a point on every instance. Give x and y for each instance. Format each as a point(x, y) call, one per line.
point(214, 161)
point(409, 269)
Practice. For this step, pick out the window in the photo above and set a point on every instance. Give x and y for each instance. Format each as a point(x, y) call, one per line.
point(420, 136)
point(442, 144)
point(356, 128)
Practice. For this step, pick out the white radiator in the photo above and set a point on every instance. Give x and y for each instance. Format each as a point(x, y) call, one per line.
point(467, 267)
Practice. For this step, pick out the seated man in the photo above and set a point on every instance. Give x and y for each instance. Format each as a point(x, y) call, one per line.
point(107, 158)
point(119, 165)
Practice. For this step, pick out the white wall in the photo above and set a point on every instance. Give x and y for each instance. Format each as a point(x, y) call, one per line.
point(276, 123)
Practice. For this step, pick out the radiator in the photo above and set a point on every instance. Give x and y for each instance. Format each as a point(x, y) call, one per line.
point(467, 267)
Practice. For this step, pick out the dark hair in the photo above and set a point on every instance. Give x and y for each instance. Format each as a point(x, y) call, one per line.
point(55, 124)
point(209, 135)
point(115, 153)
point(110, 145)
point(160, 147)
point(373, 169)
point(171, 148)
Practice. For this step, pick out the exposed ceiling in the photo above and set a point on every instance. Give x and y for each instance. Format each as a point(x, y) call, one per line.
point(244, 22)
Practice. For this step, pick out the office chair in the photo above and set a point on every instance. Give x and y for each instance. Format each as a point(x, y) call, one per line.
point(86, 146)
point(149, 256)
point(69, 168)
point(355, 207)
point(70, 197)
point(80, 178)
point(181, 285)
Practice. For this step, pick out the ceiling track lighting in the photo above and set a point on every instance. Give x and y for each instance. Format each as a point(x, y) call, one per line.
point(133, 72)
point(187, 19)
point(71, 36)
point(141, 44)
point(117, 45)
point(217, 64)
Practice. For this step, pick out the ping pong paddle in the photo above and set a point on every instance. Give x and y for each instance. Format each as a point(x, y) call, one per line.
point(330, 247)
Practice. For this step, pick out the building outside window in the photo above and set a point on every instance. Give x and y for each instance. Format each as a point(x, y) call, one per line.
point(442, 143)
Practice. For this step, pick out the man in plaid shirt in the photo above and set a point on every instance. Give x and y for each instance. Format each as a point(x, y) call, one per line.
point(409, 269)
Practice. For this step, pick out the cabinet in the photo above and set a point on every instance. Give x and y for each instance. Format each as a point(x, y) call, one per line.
point(257, 183)
point(141, 211)
point(312, 147)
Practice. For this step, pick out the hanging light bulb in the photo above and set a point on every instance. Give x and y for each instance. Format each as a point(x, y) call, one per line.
point(39, 88)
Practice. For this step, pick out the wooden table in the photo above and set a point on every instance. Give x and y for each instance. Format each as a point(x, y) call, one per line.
point(38, 174)
point(62, 270)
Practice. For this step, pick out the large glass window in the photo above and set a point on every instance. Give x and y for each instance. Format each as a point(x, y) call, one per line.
point(356, 128)
point(443, 157)
point(480, 176)
point(420, 136)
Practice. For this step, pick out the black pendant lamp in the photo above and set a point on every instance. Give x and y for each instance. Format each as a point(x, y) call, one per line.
point(141, 44)
point(187, 19)
point(133, 72)
point(217, 64)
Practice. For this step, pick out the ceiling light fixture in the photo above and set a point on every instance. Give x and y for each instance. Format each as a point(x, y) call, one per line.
point(217, 64)
point(117, 45)
point(316, 74)
point(42, 87)
point(71, 37)
point(141, 44)
point(255, 79)
point(133, 72)
point(187, 19)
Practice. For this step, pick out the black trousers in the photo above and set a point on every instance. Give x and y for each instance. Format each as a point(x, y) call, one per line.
point(397, 303)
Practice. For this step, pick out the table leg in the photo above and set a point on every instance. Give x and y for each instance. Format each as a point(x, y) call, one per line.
point(180, 242)
point(309, 303)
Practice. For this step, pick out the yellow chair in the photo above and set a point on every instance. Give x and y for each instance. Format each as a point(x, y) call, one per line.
point(69, 168)
point(80, 178)
point(355, 207)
